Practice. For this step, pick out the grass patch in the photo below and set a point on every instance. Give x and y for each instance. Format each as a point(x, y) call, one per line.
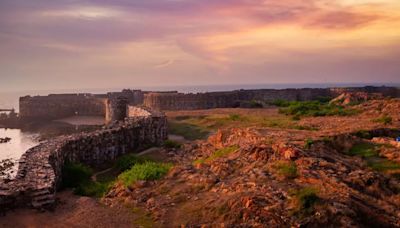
point(127, 161)
point(305, 200)
point(172, 144)
point(370, 153)
point(187, 130)
point(144, 171)
point(142, 219)
point(314, 108)
point(78, 177)
point(217, 154)
point(287, 169)
point(365, 150)
point(386, 120)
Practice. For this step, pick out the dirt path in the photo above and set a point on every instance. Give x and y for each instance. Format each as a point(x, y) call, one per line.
point(72, 211)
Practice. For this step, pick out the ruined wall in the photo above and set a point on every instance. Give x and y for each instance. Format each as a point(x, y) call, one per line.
point(57, 106)
point(40, 169)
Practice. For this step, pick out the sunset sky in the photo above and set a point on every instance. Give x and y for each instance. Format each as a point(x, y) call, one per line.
point(48, 44)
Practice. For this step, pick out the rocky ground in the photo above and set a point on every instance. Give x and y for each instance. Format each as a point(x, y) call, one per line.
point(269, 177)
point(246, 175)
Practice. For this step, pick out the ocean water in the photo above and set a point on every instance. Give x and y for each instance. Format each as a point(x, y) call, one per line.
point(20, 142)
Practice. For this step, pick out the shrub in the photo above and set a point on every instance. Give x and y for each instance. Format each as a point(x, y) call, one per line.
point(78, 177)
point(144, 171)
point(127, 161)
point(382, 165)
point(172, 144)
point(384, 120)
point(281, 103)
point(74, 174)
point(217, 154)
point(286, 169)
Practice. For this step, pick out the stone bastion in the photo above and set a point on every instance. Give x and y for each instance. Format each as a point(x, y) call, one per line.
point(40, 168)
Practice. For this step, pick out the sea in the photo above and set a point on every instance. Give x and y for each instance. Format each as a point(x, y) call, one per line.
point(22, 140)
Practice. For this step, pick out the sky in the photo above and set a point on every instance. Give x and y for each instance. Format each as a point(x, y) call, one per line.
point(71, 44)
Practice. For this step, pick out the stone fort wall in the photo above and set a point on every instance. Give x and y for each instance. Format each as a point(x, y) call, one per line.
point(40, 168)
point(192, 101)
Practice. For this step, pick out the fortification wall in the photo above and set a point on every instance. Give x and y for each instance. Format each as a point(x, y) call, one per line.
point(60, 106)
point(40, 168)
point(180, 101)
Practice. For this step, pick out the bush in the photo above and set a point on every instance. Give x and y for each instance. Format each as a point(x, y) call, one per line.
point(363, 134)
point(286, 169)
point(74, 174)
point(127, 161)
point(78, 177)
point(386, 120)
point(255, 104)
point(172, 144)
point(144, 171)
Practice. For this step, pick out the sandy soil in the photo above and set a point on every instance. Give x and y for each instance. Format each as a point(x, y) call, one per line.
point(72, 211)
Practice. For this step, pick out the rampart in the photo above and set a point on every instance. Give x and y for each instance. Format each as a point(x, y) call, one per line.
point(40, 168)
point(231, 99)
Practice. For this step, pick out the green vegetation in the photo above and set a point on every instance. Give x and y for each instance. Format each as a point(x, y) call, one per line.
point(187, 130)
point(365, 150)
point(308, 143)
point(314, 108)
point(144, 171)
point(305, 200)
point(217, 154)
point(127, 161)
point(78, 177)
point(172, 144)
point(386, 120)
point(287, 169)
point(370, 153)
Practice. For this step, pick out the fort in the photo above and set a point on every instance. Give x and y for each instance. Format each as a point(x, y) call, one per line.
point(112, 105)
point(134, 121)
point(40, 168)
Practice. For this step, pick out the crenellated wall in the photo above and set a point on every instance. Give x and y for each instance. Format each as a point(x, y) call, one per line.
point(40, 168)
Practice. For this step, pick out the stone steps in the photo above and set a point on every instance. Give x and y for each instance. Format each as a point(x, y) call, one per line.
point(43, 199)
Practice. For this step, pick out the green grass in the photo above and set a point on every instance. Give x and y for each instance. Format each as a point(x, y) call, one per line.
point(78, 177)
point(287, 169)
point(127, 161)
point(145, 171)
point(386, 120)
point(217, 154)
point(313, 108)
point(172, 144)
point(370, 153)
point(365, 150)
point(305, 200)
point(187, 130)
